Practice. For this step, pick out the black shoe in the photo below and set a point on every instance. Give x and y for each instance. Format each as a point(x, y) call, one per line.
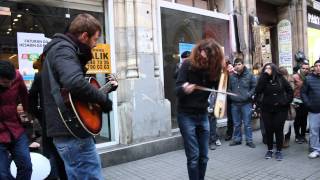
point(268, 154)
point(234, 143)
point(250, 144)
point(212, 146)
point(300, 140)
point(278, 156)
point(228, 138)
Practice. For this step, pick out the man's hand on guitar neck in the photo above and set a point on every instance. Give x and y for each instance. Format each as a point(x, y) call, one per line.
point(114, 82)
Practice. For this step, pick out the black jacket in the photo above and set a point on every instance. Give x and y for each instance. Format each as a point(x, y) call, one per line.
point(277, 94)
point(63, 55)
point(310, 93)
point(243, 85)
point(197, 101)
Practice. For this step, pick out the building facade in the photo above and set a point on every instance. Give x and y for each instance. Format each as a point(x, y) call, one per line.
point(144, 40)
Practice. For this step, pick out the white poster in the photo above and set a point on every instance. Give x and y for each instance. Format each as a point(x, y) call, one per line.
point(30, 47)
point(285, 44)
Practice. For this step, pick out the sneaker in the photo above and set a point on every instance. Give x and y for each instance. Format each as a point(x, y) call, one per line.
point(250, 144)
point(234, 143)
point(212, 146)
point(304, 140)
point(268, 154)
point(314, 154)
point(278, 156)
point(299, 140)
point(218, 142)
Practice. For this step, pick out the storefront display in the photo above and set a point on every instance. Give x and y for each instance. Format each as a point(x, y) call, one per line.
point(26, 27)
point(190, 26)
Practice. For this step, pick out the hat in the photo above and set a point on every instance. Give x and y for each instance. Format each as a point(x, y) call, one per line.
point(185, 54)
point(317, 61)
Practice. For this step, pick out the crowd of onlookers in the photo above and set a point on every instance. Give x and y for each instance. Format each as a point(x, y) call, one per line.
point(284, 103)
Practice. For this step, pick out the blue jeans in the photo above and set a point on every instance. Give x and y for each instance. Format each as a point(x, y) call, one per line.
point(80, 157)
point(314, 127)
point(241, 113)
point(20, 154)
point(195, 132)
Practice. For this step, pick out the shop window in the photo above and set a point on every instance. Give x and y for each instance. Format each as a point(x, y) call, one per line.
point(43, 18)
point(188, 29)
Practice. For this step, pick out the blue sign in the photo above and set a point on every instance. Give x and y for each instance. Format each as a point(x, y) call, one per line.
point(184, 47)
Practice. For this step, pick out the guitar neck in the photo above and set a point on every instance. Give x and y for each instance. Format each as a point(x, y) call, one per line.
point(106, 87)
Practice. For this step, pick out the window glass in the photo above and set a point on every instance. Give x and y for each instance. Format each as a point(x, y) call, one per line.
point(39, 17)
point(188, 29)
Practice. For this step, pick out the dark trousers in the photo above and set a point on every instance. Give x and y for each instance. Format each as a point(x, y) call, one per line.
point(300, 122)
point(195, 132)
point(230, 121)
point(273, 124)
point(213, 130)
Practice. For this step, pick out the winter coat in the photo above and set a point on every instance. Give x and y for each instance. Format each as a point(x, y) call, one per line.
point(10, 123)
point(277, 93)
point(197, 101)
point(310, 93)
point(243, 85)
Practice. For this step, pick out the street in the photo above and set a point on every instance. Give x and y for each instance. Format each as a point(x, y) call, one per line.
point(237, 162)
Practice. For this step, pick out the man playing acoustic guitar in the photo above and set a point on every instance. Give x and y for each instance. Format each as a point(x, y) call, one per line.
point(64, 68)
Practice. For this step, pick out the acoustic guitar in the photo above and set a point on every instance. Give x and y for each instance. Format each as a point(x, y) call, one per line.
point(85, 118)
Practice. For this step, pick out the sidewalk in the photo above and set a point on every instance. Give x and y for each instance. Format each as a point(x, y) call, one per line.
point(237, 162)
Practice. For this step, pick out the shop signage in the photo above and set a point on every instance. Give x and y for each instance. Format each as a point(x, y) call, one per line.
point(100, 62)
point(313, 20)
point(30, 46)
point(285, 44)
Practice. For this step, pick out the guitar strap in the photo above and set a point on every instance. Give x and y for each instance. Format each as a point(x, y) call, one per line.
point(55, 92)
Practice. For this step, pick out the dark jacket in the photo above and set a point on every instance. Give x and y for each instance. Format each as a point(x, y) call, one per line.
point(243, 85)
point(197, 101)
point(277, 93)
point(68, 69)
point(310, 93)
point(10, 124)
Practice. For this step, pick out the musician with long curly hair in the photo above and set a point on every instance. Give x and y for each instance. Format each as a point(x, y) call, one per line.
point(202, 69)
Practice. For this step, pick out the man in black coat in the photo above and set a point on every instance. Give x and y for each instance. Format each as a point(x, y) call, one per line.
point(64, 66)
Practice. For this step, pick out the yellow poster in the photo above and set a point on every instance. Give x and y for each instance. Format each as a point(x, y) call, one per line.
point(313, 45)
point(100, 62)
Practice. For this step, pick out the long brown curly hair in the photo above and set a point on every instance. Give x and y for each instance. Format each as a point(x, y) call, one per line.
point(214, 63)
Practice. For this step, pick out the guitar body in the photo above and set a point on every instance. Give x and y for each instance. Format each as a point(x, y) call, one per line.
point(85, 118)
point(221, 100)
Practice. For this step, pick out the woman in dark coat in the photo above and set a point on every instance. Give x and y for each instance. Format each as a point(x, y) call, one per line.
point(274, 95)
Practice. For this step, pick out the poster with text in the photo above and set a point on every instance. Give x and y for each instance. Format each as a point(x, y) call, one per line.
point(100, 62)
point(285, 45)
point(30, 47)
